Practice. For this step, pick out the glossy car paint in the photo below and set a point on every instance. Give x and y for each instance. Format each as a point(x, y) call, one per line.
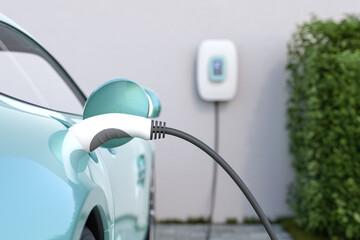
point(49, 184)
point(44, 192)
point(117, 96)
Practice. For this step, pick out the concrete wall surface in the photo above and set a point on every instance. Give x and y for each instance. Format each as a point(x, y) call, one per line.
point(155, 43)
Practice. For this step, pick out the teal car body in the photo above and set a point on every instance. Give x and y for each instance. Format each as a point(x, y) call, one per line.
point(50, 188)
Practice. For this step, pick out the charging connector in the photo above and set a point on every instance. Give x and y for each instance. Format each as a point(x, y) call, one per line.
point(95, 131)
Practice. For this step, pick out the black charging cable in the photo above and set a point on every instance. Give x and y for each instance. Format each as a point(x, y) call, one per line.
point(215, 173)
point(159, 130)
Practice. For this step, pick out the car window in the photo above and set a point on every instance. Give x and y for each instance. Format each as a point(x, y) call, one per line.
point(28, 73)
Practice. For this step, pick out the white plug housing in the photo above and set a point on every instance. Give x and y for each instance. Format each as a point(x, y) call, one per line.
point(216, 73)
point(95, 131)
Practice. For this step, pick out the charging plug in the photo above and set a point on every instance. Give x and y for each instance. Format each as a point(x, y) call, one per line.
point(95, 131)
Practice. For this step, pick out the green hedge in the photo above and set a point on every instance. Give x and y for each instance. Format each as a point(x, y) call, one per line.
point(324, 126)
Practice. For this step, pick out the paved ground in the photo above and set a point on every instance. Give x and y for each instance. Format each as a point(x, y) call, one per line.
point(219, 232)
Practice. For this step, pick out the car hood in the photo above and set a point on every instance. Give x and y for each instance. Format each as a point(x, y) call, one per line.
point(44, 183)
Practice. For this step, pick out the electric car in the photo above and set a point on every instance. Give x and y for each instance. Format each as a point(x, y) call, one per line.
point(49, 187)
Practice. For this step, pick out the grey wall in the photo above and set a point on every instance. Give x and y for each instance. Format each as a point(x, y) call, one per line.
point(155, 43)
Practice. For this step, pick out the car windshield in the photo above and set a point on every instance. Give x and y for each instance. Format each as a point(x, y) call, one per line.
point(29, 73)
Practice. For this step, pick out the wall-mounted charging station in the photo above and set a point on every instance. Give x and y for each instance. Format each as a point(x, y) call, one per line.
point(217, 70)
point(216, 77)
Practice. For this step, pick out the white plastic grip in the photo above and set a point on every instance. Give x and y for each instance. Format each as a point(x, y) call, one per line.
point(94, 131)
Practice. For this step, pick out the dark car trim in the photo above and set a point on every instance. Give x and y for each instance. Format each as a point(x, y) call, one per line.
point(57, 67)
point(36, 105)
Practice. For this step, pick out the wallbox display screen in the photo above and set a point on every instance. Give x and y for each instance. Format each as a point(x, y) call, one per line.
point(217, 67)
